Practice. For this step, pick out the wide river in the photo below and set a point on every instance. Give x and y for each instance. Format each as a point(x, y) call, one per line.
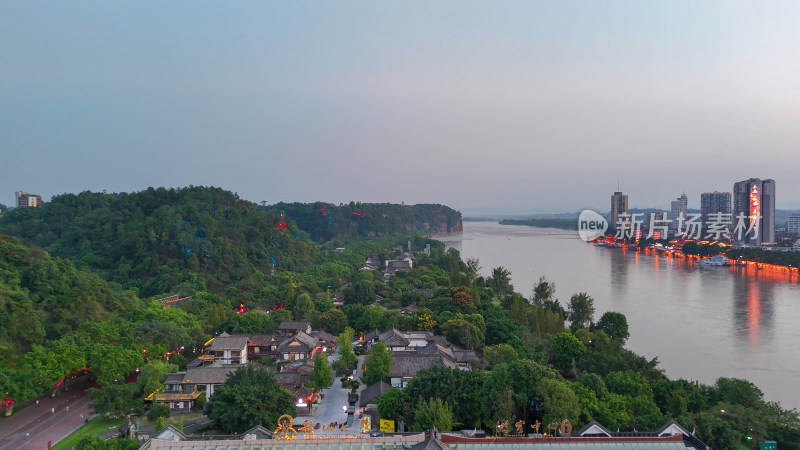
point(701, 322)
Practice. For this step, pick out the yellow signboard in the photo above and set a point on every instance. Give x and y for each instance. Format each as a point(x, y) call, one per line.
point(387, 426)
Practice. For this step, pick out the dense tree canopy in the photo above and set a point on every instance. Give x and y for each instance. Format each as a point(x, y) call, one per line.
point(248, 398)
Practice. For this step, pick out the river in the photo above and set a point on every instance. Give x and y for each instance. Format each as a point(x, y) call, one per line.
point(701, 323)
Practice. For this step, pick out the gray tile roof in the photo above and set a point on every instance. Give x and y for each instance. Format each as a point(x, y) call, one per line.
point(404, 366)
point(299, 343)
point(222, 342)
point(394, 338)
point(208, 375)
point(374, 391)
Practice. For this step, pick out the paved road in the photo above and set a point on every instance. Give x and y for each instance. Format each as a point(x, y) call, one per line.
point(43, 425)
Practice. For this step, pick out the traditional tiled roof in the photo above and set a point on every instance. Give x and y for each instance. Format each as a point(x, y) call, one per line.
point(404, 366)
point(463, 356)
point(374, 334)
point(291, 378)
point(373, 391)
point(324, 336)
point(594, 428)
point(207, 375)
point(394, 338)
point(221, 342)
point(175, 378)
point(298, 343)
point(260, 340)
point(436, 349)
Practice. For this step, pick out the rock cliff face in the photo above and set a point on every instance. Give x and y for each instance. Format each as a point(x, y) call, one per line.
point(325, 222)
point(437, 219)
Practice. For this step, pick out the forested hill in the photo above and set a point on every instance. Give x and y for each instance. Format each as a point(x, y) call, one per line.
point(42, 298)
point(158, 240)
point(326, 222)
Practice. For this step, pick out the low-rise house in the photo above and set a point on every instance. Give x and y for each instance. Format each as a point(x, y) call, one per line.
point(290, 328)
point(395, 340)
point(229, 349)
point(406, 366)
point(291, 379)
point(206, 379)
point(260, 345)
point(395, 265)
point(338, 299)
point(182, 389)
point(372, 392)
point(299, 346)
point(326, 340)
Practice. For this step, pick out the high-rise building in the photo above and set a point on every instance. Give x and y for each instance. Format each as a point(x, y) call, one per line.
point(25, 200)
point(754, 199)
point(793, 226)
point(619, 205)
point(714, 203)
point(679, 206)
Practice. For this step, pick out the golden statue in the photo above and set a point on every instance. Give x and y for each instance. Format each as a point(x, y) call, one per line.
point(536, 427)
point(566, 427)
point(285, 429)
point(366, 424)
point(520, 426)
point(308, 427)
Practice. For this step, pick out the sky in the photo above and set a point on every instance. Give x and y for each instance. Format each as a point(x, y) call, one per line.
point(528, 105)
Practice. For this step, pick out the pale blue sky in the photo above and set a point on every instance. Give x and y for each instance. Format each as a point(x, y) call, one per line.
point(473, 104)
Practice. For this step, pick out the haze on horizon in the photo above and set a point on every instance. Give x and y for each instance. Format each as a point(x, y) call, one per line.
point(517, 105)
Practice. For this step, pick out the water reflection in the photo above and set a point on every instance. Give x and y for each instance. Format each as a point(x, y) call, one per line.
point(619, 272)
point(753, 311)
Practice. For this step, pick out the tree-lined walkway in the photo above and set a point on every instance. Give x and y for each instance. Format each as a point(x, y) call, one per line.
point(49, 421)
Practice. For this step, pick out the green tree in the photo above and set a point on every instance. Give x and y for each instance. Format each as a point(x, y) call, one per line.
point(248, 398)
point(117, 399)
point(559, 402)
point(55, 362)
point(580, 309)
point(321, 374)
point(378, 363)
point(500, 353)
point(334, 321)
point(543, 291)
point(615, 325)
point(303, 307)
point(433, 412)
point(346, 355)
point(565, 348)
point(462, 332)
point(395, 404)
point(438, 382)
point(509, 390)
point(152, 375)
point(501, 281)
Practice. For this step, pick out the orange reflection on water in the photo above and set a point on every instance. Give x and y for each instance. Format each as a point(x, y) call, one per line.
point(753, 312)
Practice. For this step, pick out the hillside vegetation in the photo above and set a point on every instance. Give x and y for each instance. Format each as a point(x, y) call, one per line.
point(160, 239)
point(327, 222)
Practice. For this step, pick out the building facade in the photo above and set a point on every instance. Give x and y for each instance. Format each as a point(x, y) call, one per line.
point(754, 199)
point(679, 206)
point(712, 203)
point(26, 200)
point(793, 226)
point(619, 205)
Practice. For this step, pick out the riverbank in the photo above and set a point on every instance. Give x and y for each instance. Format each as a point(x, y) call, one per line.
point(701, 323)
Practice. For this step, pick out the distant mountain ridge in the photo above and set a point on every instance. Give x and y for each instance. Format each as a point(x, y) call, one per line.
point(326, 222)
